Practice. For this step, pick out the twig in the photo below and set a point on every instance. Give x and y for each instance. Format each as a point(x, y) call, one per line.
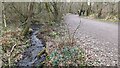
point(76, 29)
point(68, 31)
point(71, 37)
point(9, 58)
point(15, 9)
point(12, 49)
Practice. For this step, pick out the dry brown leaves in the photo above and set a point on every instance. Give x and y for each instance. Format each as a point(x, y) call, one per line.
point(7, 37)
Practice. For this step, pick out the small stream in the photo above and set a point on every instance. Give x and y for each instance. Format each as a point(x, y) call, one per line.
point(30, 56)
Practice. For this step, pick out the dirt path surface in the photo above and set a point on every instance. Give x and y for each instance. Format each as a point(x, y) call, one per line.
point(98, 39)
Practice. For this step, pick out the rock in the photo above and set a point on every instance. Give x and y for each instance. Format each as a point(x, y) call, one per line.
point(107, 42)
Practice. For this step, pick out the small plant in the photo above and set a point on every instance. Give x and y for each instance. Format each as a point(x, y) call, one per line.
point(67, 56)
point(54, 34)
point(69, 38)
point(67, 51)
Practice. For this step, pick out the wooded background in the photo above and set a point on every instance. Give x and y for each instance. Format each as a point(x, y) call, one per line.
point(18, 13)
point(17, 18)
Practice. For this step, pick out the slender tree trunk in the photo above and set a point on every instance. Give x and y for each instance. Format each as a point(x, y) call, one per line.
point(88, 12)
point(55, 12)
point(28, 21)
point(100, 13)
point(4, 17)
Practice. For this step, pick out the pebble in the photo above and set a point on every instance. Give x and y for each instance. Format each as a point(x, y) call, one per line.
point(84, 44)
point(88, 40)
point(87, 43)
point(86, 36)
point(114, 62)
point(83, 41)
point(93, 41)
point(95, 55)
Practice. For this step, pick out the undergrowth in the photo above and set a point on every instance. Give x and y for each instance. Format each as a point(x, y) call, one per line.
point(63, 50)
point(13, 44)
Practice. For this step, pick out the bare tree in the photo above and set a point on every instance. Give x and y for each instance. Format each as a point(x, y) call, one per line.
point(29, 18)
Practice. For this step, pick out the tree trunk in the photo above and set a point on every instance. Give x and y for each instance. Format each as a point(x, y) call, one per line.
point(4, 18)
point(88, 12)
point(28, 21)
point(99, 13)
point(55, 14)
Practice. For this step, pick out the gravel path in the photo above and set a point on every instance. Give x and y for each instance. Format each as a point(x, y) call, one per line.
point(98, 39)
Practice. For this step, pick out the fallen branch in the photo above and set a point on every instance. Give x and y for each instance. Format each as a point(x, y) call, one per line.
point(12, 49)
point(10, 53)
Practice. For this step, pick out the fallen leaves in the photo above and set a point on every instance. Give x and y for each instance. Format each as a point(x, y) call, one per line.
point(11, 42)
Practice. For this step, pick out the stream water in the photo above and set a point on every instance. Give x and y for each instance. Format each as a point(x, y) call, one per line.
point(30, 56)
